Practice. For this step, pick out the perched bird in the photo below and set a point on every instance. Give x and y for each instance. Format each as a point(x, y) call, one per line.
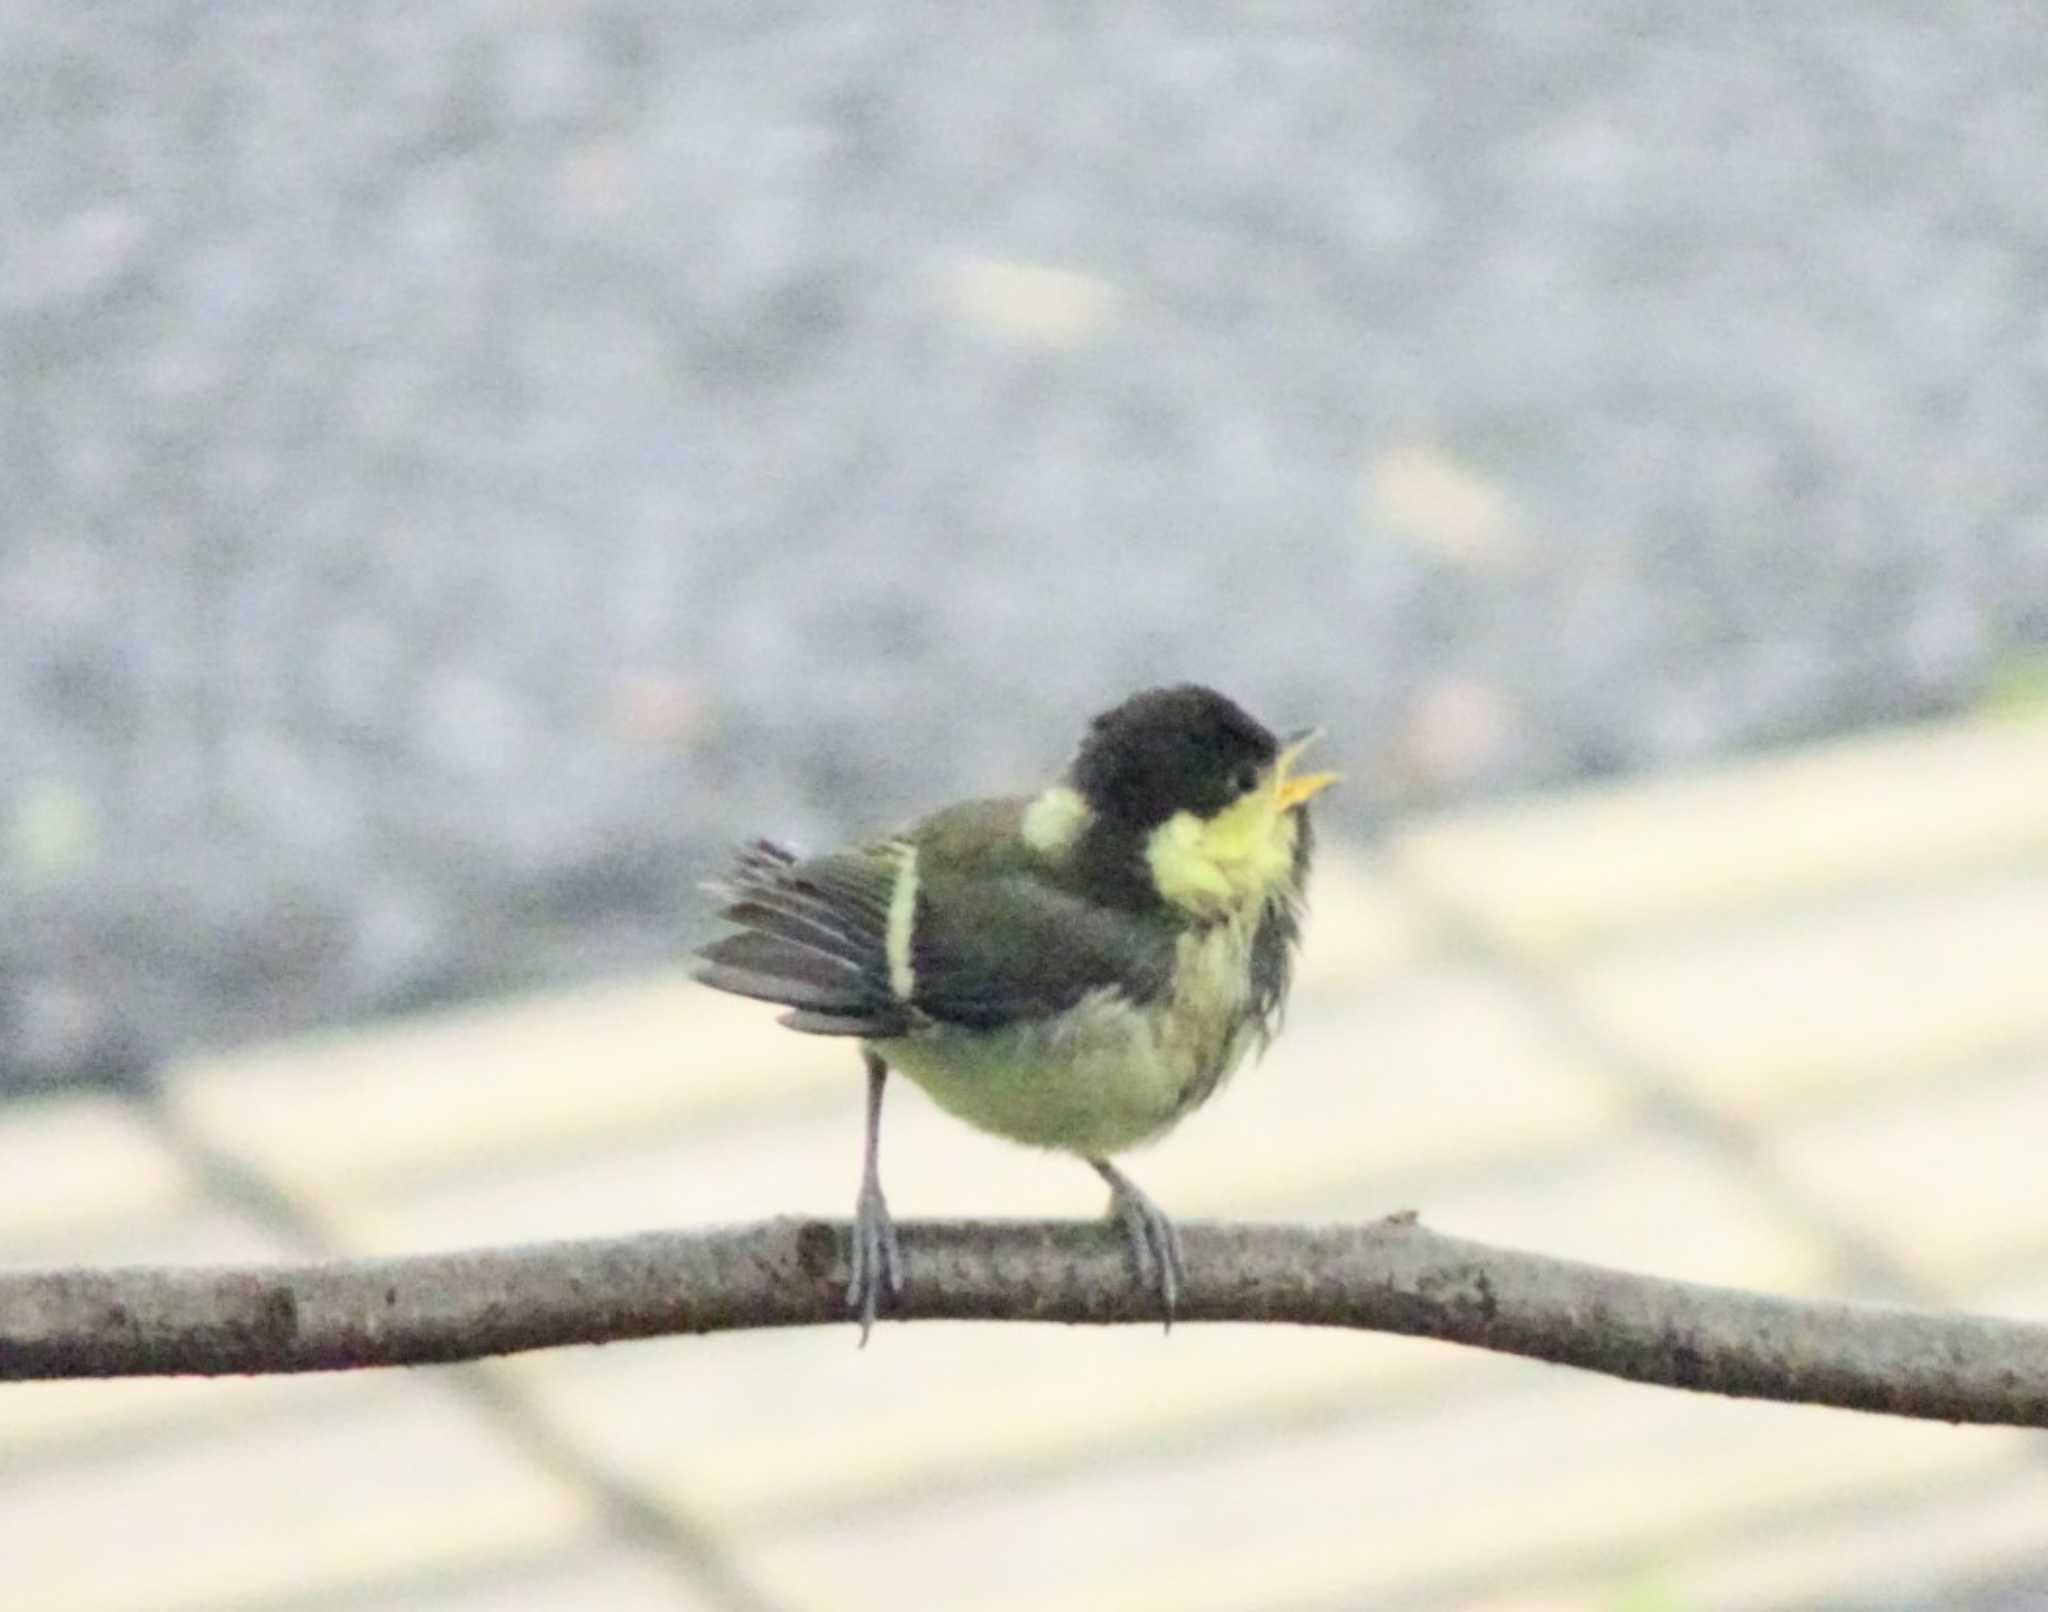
point(1076, 969)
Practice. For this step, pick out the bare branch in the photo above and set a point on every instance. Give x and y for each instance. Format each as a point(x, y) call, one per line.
point(1390, 1276)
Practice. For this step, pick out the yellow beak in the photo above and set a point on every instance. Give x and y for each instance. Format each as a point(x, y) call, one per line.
point(1299, 791)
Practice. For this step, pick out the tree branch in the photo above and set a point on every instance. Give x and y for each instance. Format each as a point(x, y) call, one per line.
point(1390, 1276)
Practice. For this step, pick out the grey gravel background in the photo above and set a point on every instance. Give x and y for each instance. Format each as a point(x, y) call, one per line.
point(462, 464)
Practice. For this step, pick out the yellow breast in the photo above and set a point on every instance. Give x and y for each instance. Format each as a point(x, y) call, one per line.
point(1106, 1076)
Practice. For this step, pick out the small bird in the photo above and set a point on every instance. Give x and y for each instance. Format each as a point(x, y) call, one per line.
point(1077, 969)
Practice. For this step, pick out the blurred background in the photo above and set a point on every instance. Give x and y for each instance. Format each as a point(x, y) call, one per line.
point(460, 467)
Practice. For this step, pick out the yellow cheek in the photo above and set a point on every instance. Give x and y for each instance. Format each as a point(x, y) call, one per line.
point(1232, 861)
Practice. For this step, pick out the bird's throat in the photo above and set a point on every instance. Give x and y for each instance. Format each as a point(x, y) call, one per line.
point(1227, 866)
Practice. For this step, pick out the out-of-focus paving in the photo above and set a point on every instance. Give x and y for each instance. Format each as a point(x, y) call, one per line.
point(1781, 1026)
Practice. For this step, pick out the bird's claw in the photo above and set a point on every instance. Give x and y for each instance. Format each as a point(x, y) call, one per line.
point(877, 1259)
point(1155, 1243)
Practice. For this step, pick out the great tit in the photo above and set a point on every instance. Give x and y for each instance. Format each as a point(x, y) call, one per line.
point(1076, 969)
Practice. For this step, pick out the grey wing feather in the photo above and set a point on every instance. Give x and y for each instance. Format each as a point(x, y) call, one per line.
point(814, 938)
point(994, 952)
point(985, 952)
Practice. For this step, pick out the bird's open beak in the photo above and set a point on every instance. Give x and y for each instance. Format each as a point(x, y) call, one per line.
point(1299, 790)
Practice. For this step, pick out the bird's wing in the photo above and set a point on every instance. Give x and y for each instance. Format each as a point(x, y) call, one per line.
point(871, 942)
point(993, 951)
point(814, 936)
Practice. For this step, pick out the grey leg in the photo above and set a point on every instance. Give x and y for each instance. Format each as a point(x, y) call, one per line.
point(876, 1257)
point(1155, 1245)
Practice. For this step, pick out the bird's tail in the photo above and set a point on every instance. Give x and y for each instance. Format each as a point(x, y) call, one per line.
point(813, 938)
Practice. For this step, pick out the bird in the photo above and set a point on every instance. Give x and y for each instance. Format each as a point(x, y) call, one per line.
point(1076, 969)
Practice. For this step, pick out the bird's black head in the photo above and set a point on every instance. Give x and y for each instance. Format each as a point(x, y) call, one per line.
point(1169, 750)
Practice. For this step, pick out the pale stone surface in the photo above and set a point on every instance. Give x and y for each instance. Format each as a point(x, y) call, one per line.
point(1360, 924)
point(1664, 1204)
point(1787, 1009)
point(1946, 1175)
point(750, 1429)
point(601, 1578)
point(394, 1476)
point(1444, 1066)
point(77, 1161)
point(1552, 873)
point(1908, 1553)
point(419, 1096)
point(1370, 1509)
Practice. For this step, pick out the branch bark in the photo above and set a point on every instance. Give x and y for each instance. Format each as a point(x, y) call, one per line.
point(1390, 1276)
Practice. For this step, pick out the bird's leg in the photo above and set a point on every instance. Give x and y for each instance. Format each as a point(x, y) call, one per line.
point(1155, 1245)
point(877, 1258)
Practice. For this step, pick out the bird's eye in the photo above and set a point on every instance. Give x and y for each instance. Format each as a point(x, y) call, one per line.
point(1245, 779)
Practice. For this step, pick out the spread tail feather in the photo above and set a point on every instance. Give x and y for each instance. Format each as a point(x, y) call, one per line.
point(812, 939)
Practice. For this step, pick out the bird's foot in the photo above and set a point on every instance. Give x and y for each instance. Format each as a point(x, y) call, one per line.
point(1155, 1244)
point(877, 1259)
